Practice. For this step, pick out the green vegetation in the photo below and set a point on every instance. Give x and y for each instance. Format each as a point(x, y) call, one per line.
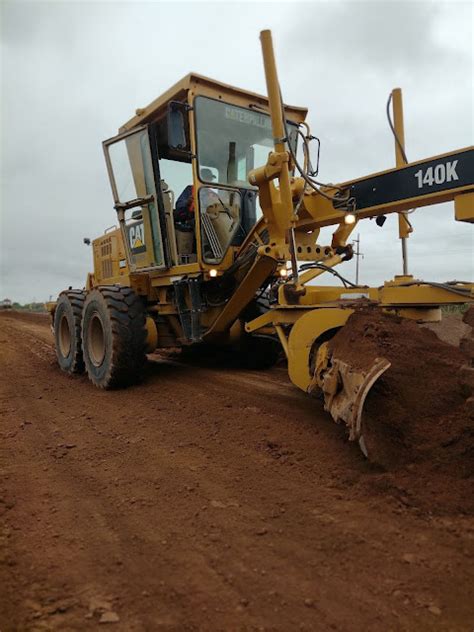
point(30, 307)
point(455, 309)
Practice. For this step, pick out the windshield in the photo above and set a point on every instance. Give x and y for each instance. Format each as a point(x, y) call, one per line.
point(231, 141)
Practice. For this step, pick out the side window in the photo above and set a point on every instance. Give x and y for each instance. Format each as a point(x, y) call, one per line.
point(176, 178)
point(132, 179)
point(220, 220)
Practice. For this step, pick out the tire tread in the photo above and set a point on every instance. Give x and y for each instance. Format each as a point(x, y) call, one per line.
point(126, 313)
point(76, 300)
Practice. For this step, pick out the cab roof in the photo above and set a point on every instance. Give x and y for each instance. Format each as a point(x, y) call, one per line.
point(199, 85)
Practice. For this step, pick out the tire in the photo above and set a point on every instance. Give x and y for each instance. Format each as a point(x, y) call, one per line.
point(67, 331)
point(114, 336)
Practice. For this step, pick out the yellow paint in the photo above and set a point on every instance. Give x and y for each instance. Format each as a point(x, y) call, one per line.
point(464, 207)
point(151, 335)
point(303, 312)
point(302, 337)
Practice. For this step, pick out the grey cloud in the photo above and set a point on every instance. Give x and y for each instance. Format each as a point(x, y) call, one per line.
point(72, 73)
point(379, 35)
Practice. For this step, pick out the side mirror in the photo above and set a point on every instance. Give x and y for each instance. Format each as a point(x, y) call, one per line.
point(177, 126)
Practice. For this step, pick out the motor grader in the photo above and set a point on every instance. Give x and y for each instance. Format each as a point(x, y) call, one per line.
point(242, 280)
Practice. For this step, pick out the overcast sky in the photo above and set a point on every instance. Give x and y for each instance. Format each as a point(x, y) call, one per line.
point(73, 72)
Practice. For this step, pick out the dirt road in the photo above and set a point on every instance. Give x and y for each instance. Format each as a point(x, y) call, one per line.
point(206, 500)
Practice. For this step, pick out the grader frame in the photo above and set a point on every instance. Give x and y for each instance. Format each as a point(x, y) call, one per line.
point(211, 296)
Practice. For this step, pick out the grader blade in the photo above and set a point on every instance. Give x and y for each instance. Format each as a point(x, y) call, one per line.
point(345, 389)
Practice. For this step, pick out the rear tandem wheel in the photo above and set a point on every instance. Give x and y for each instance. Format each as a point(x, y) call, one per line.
point(114, 336)
point(67, 331)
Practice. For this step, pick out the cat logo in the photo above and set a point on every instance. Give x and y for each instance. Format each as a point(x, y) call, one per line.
point(136, 237)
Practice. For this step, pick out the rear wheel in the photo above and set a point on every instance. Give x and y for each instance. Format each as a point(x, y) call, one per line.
point(114, 336)
point(67, 331)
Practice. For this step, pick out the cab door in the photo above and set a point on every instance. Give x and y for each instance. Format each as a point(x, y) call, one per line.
point(130, 168)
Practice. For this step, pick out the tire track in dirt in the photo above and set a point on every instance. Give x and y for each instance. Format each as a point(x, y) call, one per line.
point(204, 500)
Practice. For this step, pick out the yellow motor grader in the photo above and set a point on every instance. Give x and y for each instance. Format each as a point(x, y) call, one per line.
point(219, 210)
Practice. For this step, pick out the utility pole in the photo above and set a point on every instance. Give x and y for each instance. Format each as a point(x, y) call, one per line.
point(404, 226)
point(357, 255)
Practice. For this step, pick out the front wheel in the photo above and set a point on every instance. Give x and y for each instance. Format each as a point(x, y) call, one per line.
point(114, 336)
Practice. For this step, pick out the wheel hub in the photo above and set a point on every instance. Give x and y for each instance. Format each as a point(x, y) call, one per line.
point(96, 340)
point(64, 338)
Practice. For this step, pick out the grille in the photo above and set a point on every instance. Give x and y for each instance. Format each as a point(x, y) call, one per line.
point(106, 247)
point(107, 268)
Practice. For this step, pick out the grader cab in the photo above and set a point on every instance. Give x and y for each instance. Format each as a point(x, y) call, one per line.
point(200, 139)
point(219, 211)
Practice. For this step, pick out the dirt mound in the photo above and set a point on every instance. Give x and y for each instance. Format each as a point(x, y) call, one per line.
point(468, 317)
point(450, 329)
point(416, 411)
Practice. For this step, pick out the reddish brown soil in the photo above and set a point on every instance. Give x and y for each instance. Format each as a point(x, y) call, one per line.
point(416, 414)
point(450, 329)
point(208, 500)
point(468, 316)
